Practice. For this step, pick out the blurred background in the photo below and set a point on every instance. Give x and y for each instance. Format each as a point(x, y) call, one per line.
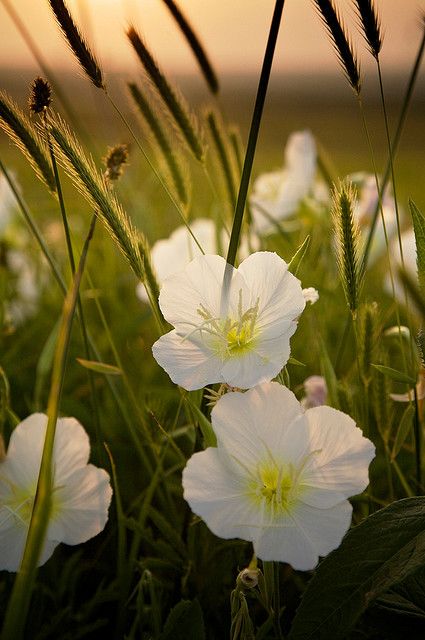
point(307, 89)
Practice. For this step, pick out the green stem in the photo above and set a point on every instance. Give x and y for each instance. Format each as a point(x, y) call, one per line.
point(394, 146)
point(253, 133)
point(93, 394)
point(418, 440)
point(17, 610)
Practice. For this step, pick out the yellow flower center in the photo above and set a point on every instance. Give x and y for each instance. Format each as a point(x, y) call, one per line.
point(19, 505)
point(230, 336)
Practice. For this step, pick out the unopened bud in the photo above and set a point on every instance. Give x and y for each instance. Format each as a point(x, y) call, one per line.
point(248, 578)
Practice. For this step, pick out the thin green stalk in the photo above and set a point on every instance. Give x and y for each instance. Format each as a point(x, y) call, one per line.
point(83, 326)
point(18, 606)
point(394, 145)
point(271, 577)
point(253, 134)
point(418, 440)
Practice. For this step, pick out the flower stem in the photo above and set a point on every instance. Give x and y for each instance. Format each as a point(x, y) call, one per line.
point(253, 133)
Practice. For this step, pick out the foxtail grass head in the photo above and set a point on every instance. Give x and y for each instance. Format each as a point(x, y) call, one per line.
point(77, 43)
point(341, 42)
point(347, 236)
point(370, 24)
point(115, 161)
point(40, 96)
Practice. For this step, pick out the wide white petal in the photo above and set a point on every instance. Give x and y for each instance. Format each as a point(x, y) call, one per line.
point(82, 506)
point(252, 368)
point(25, 449)
point(324, 528)
point(12, 544)
point(71, 449)
point(216, 490)
point(189, 364)
point(279, 293)
point(286, 542)
point(264, 420)
point(200, 283)
point(343, 454)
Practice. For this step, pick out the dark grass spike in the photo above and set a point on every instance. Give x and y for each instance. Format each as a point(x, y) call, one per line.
point(371, 24)
point(158, 133)
point(196, 46)
point(341, 43)
point(22, 132)
point(175, 104)
point(77, 43)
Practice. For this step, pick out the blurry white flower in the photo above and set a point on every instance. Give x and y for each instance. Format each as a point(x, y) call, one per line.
point(24, 285)
point(7, 204)
point(277, 195)
point(316, 392)
point(242, 341)
point(311, 295)
point(172, 254)
point(279, 477)
point(365, 208)
point(409, 256)
point(81, 492)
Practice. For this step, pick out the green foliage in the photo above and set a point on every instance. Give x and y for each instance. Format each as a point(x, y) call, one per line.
point(392, 542)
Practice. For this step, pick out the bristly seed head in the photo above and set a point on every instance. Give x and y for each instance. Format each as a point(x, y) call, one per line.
point(40, 95)
point(115, 160)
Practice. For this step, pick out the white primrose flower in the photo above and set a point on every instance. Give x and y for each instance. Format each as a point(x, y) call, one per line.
point(408, 242)
point(279, 477)
point(81, 492)
point(277, 195)
point(172, 254)
point(243, 340)
point(316, 392)
point(7, 204)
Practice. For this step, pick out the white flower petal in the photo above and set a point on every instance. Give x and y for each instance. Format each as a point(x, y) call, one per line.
point(286, 542)
point(343, 454)
point(83, 506)
point(216, 490)
point(200, 283)
point(25, 449)
point(252, 424)
point(71, 449)
point(12, 544)
point(279, 293)
point(187, 363)
point(324, 528)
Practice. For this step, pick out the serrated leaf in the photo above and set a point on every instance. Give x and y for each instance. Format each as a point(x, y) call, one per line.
point(394, 374)
point(373, 557)
point(419, 229)
point(184, 621)
point(404, 428)
point(100, 367)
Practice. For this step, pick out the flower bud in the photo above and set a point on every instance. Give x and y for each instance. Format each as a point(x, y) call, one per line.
point(248, 578)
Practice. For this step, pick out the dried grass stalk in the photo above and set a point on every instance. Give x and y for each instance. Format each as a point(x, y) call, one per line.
point(77, 43)
point(174, 102)
point(22, 132)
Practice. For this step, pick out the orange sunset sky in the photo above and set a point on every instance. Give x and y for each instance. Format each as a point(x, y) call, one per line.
point(233, 31)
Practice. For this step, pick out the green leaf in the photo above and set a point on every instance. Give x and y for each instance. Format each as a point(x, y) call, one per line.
point(398, 376)
point(419, 228)
point(184, 621)
point(296, 362)
point(374, 556)
point(100, 367)
point(404, 428)
point(298, 256)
